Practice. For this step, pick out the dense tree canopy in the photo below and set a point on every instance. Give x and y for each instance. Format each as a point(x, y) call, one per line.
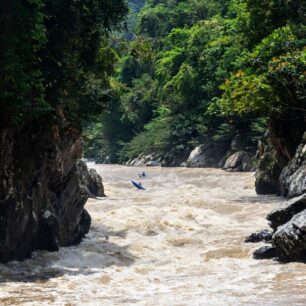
point(53, 55)
point(207, 69)
point(182, 71)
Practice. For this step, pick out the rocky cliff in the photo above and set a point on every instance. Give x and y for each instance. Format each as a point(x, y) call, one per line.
point(42, 189)
point(278, 149)
point(288, 222)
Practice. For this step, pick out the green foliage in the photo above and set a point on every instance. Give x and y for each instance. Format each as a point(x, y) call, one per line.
point(275, 82)
point(53, 56)
point(158, 18)
point(138, 104)
point(161, 136)
point(267, 15)
point(245, 93)
point(224, 133)
point(138, 60)
point(203, 70)
point(21, 86)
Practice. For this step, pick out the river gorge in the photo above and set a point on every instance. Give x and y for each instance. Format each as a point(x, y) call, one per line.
point(179, 242)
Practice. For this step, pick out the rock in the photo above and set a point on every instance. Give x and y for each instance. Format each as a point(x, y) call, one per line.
point(282, 169)
point(277, 150)
point(293, 176)
point(286, 211)
point(268, 172)
point(265, 186)
point(83, 228)
point(265, 252)
point(177, 159)
point(95, 185)
point(153, 163)
point(142, 160)
point(298, 182)
point(49, 232)
point(239, 161)
point(290, 239)
point(91, 179)
point(42, 189)
point(207, 155)
point(264, 235)
point(270, 165)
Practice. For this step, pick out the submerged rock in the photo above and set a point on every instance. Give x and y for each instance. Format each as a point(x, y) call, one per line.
point(265, 252)
point(264, 235)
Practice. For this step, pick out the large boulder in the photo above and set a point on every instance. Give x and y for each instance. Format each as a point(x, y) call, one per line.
point(286, 211)
point(207, 155)
point(240, 161)
point(264, 235)
point(265, 252)
point(91, 179)
point(147, 160)
point(290, 239)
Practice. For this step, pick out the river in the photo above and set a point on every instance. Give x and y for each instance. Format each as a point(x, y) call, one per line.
point(179, 242)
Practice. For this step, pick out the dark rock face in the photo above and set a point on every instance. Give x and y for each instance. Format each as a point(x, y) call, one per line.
point(83, 227)
point(265, 252)
point(282, 169)
point(177, 160)
point(264, 235)
point(290, 239)
point(269, 169)
point(240, 161)
point(91, 179)
point(293, 176)
point(289, 224)
point(42, 190)
point(278, 149)
point(289, 220)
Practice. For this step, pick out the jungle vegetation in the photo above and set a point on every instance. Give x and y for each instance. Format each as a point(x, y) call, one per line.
point(198, 70)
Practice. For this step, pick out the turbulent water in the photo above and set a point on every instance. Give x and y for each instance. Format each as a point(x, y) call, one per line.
point(180, 242)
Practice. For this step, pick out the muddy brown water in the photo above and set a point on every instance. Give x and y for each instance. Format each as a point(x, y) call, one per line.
point(180, 242)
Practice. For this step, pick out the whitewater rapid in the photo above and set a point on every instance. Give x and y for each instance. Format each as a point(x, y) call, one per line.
point(180, 242)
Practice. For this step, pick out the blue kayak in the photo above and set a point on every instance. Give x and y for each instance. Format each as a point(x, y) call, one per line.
point(138, 185)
